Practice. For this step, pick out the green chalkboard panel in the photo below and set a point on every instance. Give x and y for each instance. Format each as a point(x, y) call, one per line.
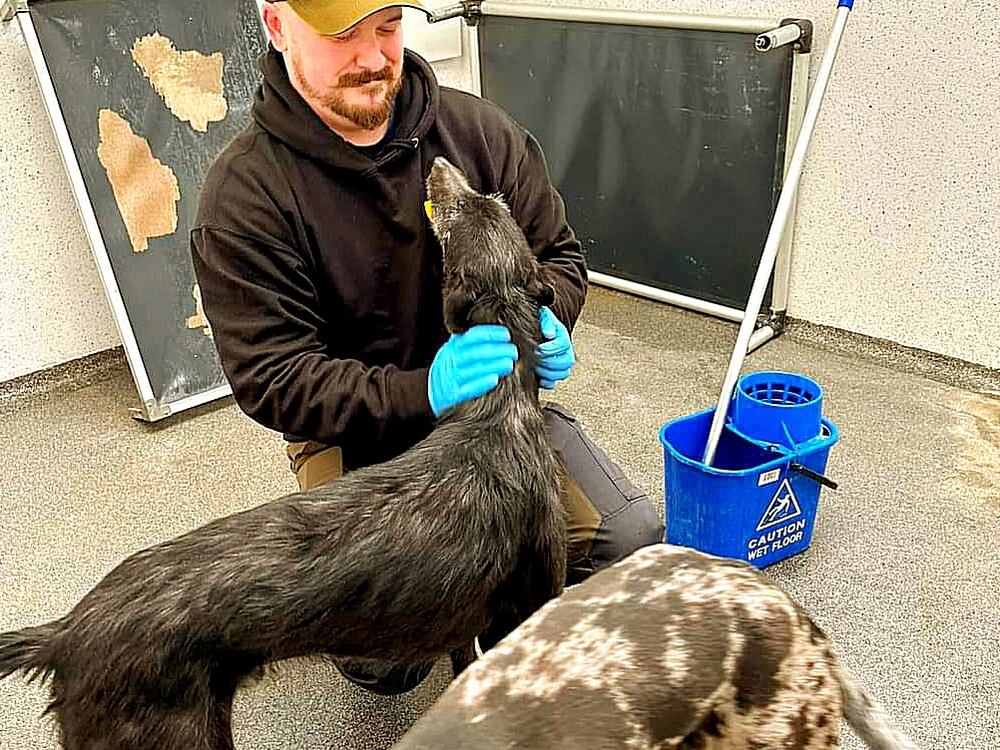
point(666, 144)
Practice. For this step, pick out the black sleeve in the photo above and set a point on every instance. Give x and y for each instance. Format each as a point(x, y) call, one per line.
point(264, 314)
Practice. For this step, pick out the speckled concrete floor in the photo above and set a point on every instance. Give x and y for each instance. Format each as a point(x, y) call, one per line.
point(904, 571)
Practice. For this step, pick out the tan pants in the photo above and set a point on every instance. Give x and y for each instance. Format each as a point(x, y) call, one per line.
point(608, 517)
point(314, 463)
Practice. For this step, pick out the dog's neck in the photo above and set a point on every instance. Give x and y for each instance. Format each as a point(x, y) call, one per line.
point(514, 402)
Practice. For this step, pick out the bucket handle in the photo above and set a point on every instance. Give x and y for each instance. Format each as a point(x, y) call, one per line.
point(813, 475)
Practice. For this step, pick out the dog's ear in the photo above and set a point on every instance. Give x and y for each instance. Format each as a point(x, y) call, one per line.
point(542, 292)
point(458, 310)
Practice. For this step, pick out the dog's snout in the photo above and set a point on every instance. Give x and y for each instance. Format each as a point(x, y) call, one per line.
point(441, 166)
point(446, 181)
point(441, 162)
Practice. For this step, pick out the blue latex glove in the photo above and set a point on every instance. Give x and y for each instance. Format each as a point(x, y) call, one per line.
point(469, 365)
point(555, 356)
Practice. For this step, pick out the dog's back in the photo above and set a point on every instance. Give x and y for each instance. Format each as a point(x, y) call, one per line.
point(668, 648)
point(403, 561)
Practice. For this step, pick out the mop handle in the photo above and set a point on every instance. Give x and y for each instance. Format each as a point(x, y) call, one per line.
point(781, 215)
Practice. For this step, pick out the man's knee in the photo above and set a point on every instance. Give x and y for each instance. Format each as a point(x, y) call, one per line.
point(314, 464)
point(609, 516)
point(634, 526)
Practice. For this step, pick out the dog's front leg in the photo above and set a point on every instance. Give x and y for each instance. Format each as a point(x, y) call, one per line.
point(543, 572)
point(538, 579)
point(462, 658)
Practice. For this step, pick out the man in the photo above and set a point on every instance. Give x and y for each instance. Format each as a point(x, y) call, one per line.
point(321, 277)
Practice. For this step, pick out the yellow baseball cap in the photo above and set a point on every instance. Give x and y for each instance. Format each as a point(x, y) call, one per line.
point(330, 17)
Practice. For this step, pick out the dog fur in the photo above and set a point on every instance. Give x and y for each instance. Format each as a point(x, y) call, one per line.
point(404, 561)
point(668, 648)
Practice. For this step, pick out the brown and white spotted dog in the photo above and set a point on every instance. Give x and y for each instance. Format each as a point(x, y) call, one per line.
point(669, 648)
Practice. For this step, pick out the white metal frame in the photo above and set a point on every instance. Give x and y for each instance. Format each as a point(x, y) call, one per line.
point(150, 409)
point(796, 113)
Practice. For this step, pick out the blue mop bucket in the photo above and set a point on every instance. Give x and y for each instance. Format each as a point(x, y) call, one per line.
point(758, 500)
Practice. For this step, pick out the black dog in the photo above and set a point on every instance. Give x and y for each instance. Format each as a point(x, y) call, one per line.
point(668, 648)
point(403, 561)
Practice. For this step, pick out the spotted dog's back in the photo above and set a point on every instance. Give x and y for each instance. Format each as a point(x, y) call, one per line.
point(669, 648)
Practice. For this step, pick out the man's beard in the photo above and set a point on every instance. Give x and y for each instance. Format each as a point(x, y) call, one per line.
point(365, 117)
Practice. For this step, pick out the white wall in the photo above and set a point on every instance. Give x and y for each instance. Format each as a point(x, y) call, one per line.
point(52, 304)
point(897, 235)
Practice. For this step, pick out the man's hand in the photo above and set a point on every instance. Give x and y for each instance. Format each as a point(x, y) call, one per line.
point(555, 356)
point(469, 365)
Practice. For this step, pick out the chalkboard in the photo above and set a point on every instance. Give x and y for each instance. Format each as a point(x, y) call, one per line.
point(179, 76)
point(667, 144)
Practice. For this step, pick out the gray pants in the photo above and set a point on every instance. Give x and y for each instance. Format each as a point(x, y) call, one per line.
point(609, 517)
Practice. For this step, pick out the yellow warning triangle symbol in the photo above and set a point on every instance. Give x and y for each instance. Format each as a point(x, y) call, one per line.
point(783, 507)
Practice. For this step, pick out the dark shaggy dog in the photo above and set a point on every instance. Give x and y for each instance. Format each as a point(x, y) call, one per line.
point(404, 561)
point(668, 648)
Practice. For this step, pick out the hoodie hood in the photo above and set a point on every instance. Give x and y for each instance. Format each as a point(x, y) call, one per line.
point(320, 271)
point(280, 110)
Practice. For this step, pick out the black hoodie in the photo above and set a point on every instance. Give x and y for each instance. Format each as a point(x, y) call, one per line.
point(318, 269)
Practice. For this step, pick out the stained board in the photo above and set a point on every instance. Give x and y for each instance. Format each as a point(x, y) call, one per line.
point(149, 94)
